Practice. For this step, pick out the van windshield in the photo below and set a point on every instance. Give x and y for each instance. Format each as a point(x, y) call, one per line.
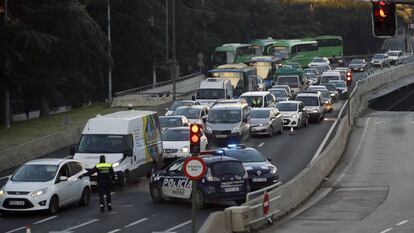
point(291, 81)
point(308, 100)
point(210, 94)
point(100, 143)
point(224, 116)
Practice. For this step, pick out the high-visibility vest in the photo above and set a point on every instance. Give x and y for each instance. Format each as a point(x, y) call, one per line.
point(103, 167)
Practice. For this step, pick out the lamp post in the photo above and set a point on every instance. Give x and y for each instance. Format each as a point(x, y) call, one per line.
point(110, 52)
point(6, 69)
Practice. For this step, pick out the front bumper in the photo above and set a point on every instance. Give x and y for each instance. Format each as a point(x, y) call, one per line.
point(290, 121)
point(21, 203)
point(259, 130)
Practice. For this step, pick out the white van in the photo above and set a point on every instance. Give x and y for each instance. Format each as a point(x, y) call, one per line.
point(130, 141)
point(265, 98)
point(330, 75)
point(293, 81)
point(213, 89)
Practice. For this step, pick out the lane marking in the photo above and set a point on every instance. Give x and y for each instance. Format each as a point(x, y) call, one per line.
point(17, 229)
point(401, 223)
point(361, 141)
point(81, 225)
point(261, 144)
point(387, 230)
point(113, 231)
point(178, 226)
point(136, 222)
point(45, 220)
point(400, 100)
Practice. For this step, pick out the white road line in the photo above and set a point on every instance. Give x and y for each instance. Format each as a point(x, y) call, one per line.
point(178, 226)
point(45, 220)
point(387, 230)
point(81, 225)
point(361, 141)
point(261, 144)
point(116, 230)
point(136, 222)
point(401, 223)
point(17, 229)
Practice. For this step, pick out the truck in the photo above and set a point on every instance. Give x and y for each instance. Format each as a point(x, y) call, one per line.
point(213, 89)
point(130, 141)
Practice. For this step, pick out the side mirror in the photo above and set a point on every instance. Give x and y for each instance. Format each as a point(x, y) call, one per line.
point(63, 178)
point(72, 151)
point(269, 159)
point(128, 153)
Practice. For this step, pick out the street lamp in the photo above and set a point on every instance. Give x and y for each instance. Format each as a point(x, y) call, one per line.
point(110, 52)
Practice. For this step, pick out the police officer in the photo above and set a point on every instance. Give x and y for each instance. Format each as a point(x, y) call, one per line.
point(257, 103)
point(104, 180)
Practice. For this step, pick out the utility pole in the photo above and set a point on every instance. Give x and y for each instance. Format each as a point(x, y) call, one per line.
point(167, 33)
point(110, 53)
point(173, 71)
point(6, 69)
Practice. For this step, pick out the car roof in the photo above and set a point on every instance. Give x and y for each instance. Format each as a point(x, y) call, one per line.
point(228, 106)
point(179, 128)
point(289, 102)
point(192, 106)
point(211, 159)
point(255, 93)
point(49, 161)
point(174, 116)
point(277, 88)
point(260, 109)
point(326, 73)
point(309, 94)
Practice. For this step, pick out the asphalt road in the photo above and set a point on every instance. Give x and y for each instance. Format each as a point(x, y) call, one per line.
point(135, 212)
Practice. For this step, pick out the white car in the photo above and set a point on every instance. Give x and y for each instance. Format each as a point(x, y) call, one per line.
point(196, 114)
point(321, 60)
point(176, 143)
point(396, 56)
point(294, 113)
point(45, 184)
point(172, 121)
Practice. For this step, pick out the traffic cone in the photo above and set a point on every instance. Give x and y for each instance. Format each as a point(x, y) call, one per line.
point(292, 132)
point(28, 228)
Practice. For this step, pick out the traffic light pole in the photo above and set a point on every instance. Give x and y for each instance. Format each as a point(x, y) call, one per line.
point(193, 202)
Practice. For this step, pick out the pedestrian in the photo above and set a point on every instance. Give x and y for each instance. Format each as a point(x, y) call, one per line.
point(104, 181)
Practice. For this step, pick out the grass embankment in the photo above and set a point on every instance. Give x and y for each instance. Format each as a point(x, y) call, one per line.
point(26, 131)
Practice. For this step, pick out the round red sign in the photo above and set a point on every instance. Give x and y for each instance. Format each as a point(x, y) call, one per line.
point(194, 168)
point(266, 203)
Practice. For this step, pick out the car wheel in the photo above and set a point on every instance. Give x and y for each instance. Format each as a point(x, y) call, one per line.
point(270, 131)
point(156, 194)
point(53, 206)
point(123, 179)
point(86, 197)
point(200, 201)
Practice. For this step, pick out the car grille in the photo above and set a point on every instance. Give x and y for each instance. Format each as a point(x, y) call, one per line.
point(27, 203)
point(253, 173)
point(17, 193)
point(169, 151)
point(286, 121)
point(221, 131)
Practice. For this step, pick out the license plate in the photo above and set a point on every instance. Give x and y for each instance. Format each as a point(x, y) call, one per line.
point(94, 183)
point(221, 136)
point(16, 202)
point(259, 179)
point(232, 189)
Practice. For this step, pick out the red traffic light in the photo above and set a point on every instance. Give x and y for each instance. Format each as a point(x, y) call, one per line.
point(384, 21)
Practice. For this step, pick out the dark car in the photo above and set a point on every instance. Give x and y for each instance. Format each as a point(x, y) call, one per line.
point(225, 180)
point(358, 65)
point(261, 171)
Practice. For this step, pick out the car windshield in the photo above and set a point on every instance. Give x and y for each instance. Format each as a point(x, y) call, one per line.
point(166, 122)
point(308, 100)
point(291, 81)
point(190, 113)
point(177, 104)
point(246, 155)
point(278, 93)
point(261, 113)
point(325, 94)
point(102, 143)
point(331, 87)
point(224, 116)
point(287, 107)
point(176, 135)
point(326, 79)
point(318, 59)
point(393, 54)
point(357, 61)
point(35, 173)
point(228, 168)
point(210, 94)
point(378, 56)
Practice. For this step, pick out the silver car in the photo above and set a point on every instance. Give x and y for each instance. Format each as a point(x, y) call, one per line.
point(265, 121)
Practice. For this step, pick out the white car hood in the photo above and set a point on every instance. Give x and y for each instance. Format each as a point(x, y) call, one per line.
point(90, 160)
point(288, 114)
point(208, 103)
point(175, 144)
point(25, 186)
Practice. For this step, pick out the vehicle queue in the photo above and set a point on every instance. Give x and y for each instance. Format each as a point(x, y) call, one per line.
point(232, 105)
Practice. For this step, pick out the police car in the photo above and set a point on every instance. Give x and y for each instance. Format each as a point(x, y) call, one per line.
point(261, 171)
point(225, 180)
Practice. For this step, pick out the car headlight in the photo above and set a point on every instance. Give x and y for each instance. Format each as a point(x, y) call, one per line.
point(115, 164)
point(38, 192)
point(236, 130)
point(2, 193)
point(294, 115)
point(326, 102)
point(264, 124)
point(208, 130)
point(185, 149)
point(273, 170)
point(315, 110)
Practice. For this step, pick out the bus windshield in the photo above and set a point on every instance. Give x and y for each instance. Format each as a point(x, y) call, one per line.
point(223, 57)
point(280, 52)
point(263, 69)
point(292, 81)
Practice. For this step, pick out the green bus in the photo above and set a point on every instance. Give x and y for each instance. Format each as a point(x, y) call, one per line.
point(329, 46)
point(301, 51)
point(232, 53)
point(262, 46)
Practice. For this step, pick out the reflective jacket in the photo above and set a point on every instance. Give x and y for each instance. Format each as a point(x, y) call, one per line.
point(105, 173)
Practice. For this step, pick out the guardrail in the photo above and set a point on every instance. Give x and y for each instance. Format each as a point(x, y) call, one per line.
point(289, 196)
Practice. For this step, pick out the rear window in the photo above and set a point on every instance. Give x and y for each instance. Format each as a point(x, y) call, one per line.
point(228, 168)
point(326, 79)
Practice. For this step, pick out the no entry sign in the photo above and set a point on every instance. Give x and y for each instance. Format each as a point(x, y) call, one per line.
point(194, 168)
point(266, 203)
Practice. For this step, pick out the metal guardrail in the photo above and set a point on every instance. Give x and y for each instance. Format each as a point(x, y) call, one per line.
point(139, 90)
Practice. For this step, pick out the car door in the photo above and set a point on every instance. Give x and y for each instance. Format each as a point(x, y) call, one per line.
point(75, 170)
point(62, 188)
point(175, 183)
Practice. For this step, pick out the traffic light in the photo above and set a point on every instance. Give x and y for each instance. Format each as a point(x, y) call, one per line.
point(348, 78)
point(384, 19)
point(195, 135)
